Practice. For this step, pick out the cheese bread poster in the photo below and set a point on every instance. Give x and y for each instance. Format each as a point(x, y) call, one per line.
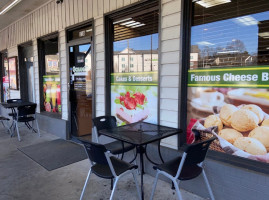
point(134, 97)
point(231, 103)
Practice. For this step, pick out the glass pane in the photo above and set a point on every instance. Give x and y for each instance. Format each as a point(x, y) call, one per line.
point(51, 77)
point(134, 91)
point(229, 73)
point(80, 89)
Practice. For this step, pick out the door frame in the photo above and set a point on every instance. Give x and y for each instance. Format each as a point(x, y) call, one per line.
point(80, 42)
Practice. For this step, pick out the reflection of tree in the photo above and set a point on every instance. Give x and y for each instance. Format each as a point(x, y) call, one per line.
point(236, 45)
point(233, 54)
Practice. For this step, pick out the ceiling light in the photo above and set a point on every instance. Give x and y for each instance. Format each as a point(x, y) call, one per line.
point(246, 20)
point(123, 20)
point(133, 24)
point(211, 3)
point(125, 23)
point(264, 34)
point(267, 48)
point(204, 43)
point(138, 25)
point(11, 5)
point(224, 52)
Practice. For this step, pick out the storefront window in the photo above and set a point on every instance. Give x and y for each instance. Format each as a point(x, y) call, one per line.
point(229, 74)
point(6, 93)
point(134, 77)
point(50, 73)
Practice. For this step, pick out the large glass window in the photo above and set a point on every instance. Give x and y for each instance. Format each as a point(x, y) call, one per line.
point(134, 77)
point(229, 74)
point(50, 75)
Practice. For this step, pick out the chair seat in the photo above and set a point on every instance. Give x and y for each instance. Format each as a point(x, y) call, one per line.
point(26, 119)
point(116, 147)
point(119, 166)
point(188, 172)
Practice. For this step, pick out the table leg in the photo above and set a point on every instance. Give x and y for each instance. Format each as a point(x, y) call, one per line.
point(141, 152)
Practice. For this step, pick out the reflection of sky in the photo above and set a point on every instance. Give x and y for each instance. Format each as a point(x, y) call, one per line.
point(219, 33)
point(138, 43)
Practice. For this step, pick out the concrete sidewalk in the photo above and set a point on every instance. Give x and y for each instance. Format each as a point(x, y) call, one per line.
point(23, 179)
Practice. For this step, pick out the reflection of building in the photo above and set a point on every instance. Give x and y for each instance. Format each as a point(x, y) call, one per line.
point(130, 60)
point(263, 43)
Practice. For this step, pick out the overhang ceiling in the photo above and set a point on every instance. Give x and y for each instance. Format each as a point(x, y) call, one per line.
point(21, 9)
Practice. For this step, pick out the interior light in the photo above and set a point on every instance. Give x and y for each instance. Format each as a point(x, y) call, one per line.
point(123, 20)
point(138, 25)
point(133, 24)
point(125, 23)
point(224, 52)
point(267, 48)
point(11, 5)
point(205, 43)
point(246, 20)
point(88, 30)
point(264, 34)
point(211, 3)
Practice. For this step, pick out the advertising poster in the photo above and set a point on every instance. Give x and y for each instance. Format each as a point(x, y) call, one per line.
point(6, 88)
point(235, 101)
point(13, 78)
point(134, 97)
point(52, 93)
point(52, 63)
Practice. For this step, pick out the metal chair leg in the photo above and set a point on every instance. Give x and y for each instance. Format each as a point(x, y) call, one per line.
point(177, 190)
point(37, 127)
point(136, 184)
point(33, 126)
point(208, 186)
point(18, 133)
point(85, 184)
point(114, 188)
point(154, 185)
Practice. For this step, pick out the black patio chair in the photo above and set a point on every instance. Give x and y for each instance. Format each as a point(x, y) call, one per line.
point(106, 166)
point(187, 167)
point(26, 114)
point(115, 147)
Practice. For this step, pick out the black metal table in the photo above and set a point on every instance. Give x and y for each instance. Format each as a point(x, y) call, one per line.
point(140, 134)
point(13, 107)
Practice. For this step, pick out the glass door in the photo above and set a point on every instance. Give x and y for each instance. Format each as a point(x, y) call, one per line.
point(80, 89)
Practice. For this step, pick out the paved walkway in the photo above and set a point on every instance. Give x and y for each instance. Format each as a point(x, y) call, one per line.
point(23, 179)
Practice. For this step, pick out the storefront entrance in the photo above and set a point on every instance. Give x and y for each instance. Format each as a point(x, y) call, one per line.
point(80, 89)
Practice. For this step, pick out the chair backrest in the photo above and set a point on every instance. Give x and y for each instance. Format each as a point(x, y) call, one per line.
point(196, 152)
point(104, 122)
point(96, 152)
point(14, 100)
point(26, 110)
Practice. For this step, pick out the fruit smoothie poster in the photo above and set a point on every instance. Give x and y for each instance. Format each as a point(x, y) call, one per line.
point(52, 93)
point(134, 97)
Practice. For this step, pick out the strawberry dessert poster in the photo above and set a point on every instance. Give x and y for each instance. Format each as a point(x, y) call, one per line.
point(134, 97)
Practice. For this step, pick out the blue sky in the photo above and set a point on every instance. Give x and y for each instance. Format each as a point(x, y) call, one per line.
point(221, 32)
point(138, 43)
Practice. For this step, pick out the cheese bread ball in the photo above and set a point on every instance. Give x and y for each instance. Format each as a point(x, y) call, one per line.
point(226, 113)
point(230, 134)
point(250, 145)
point(244, 120)
point(213, 120)
point(256, 109)
point(261, 133)
point(265, 122)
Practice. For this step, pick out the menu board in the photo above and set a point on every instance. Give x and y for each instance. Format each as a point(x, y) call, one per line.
point(52, 93)
point(134, 97)
point(52, 63)
point(232, 104)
